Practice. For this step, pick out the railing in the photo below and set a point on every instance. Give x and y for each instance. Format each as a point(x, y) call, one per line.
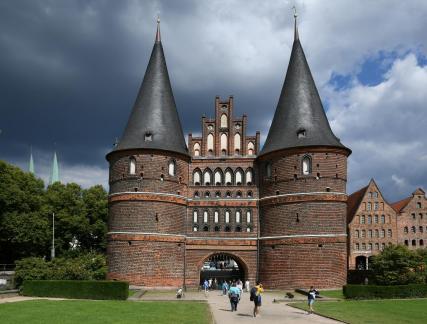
point(7, 267)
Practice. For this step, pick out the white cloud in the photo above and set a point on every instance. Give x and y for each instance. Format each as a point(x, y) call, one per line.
point(384, 125)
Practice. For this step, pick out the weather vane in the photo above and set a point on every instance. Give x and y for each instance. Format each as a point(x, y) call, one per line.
point(295, 12)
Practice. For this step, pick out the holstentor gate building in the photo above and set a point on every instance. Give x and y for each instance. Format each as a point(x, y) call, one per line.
point(279, 211)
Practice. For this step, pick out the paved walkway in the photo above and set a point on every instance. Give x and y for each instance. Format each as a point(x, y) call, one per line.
point(269, 312)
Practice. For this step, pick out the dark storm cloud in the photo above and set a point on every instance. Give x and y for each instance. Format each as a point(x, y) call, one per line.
point(70, 72)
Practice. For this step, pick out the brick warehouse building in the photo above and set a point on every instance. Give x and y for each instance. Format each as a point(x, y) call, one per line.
point(373, 223)
point(277, 213)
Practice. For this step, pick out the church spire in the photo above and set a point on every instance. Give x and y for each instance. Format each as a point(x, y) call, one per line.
point(54, 176)
point(31, 164)
point(154, 122)
point(299, 120)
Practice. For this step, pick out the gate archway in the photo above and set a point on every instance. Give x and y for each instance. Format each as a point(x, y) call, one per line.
point(222, 267)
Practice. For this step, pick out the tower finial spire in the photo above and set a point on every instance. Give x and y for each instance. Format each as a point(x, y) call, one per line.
point(296, 36)
point(158, 38)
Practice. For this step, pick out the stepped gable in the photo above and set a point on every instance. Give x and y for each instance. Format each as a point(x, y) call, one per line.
point(154, 122)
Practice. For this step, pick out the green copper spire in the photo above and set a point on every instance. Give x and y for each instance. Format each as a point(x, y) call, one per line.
point(54, 177)
point(31, 166)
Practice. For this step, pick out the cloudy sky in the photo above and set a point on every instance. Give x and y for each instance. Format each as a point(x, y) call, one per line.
point(70, 72)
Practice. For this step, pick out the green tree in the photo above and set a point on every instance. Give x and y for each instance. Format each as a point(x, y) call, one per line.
point(26, 209)
point(23, 228)
point(397, 265)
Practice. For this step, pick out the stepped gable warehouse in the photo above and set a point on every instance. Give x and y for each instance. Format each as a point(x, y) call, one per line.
point(226, 208)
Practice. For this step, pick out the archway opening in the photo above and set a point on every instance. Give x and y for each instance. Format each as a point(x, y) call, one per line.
point(361, 262)
point(221, 267)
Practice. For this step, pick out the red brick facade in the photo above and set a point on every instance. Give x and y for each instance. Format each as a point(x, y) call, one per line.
point(285, 228)
point(373, 223)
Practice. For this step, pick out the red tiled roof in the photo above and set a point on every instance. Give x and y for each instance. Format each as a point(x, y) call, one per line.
point(353, 203)
point(399, 205)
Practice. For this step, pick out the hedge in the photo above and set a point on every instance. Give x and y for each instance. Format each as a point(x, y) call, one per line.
point(77, 289)
point(385, 292)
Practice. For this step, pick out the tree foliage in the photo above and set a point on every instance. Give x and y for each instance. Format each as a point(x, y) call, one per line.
point(89, 266)
point(397, 265)
point(26, 209)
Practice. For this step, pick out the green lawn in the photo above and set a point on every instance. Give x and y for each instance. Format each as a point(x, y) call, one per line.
point(391, 311)
point(332, 293)
point(88, 311)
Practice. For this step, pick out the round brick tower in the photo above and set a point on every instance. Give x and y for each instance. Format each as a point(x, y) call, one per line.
point(148, 185)
point(303, 175)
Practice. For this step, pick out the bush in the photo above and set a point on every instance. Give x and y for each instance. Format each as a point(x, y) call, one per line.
point(90, 266)
point(385, 292)
point(78, 289)
point(397, 265)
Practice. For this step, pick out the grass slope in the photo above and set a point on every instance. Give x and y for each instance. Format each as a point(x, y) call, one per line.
point(77, 311)
point(391, 311)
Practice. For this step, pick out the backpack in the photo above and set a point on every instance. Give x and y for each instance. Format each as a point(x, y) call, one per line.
point(252, 295)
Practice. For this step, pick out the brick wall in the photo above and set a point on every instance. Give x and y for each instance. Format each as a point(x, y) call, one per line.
point(319, 262)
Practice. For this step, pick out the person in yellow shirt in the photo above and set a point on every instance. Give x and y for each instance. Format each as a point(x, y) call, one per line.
point(258, 290)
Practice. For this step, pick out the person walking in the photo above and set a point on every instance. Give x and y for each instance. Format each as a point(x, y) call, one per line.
point(312, 293)
point(225, 288)
point(239, 284)
point(247, 286)
point(234, 295)
point(256, 297)
point(206, 286)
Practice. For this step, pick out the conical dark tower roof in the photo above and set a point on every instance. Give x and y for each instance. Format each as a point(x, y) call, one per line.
point(300, 119)
point(154, 122)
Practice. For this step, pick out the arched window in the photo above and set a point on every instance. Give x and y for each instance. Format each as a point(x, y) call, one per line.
point(248, 216)
point(197, 176)
point(238, 216)
point(251, 148)
point(205, 216)
point(357, 233)
point(132, 165)
point(195, 228)
point(239, 177)
point(224, 143)
point(210, 142)
point(195, 216)
point(405, 230)
point(306, 165)
point(413, 230)
point(249, 176)
point(227, 216)
point(224, 121)
point(207, 177)
point(249, 194)
point(268, 169)
point(172, 167)
point(382, 233)
point(218, 177)
point(362, 233)
point(217, 194)
point(228, 194)
point(196, 194)
point(369, 233)
point(237, 145)
point(239, 194)
point(216, 216)
point(196, 148)
point(228, 177)
point(389, 233)
point(377, 233)
point(207, 194)
point(421, 242)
